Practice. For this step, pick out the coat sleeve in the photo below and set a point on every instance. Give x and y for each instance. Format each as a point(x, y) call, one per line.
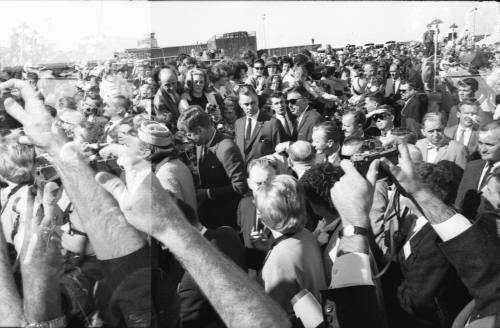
point(461, 159)
point(474, 254)
point(230, 157)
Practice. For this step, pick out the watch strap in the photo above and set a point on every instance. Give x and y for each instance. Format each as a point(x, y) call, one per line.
point(54, 323)
point(355, 231)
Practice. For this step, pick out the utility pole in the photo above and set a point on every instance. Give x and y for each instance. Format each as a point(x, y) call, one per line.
point(264, 29)
point(474, 27)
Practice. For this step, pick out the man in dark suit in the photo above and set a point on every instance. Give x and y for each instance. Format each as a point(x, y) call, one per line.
point(283, 115)
point(256, 134)
point(306, 117)
point(477, 172)
point(166, 100)
point(414, 109)
point(195, 309)
point(466, 131)
point(220, 167)
point(251, 228)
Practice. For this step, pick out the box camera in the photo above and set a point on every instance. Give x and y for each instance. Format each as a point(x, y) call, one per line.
point(363, 160)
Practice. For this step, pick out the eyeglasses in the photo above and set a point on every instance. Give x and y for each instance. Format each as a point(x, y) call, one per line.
point(259, 68)
point(72, 231)
point(293, 101)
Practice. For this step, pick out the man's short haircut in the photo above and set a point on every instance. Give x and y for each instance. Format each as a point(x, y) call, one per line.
point(260, 61)
point(376, 96)
point(433, 116)
point(300, 90)
point(282, 205)
point(443, 178)
point(493, 125)
point(193, 117)
point(359, 116)
point(263, 163)
point(468, 102)
point(247, 90)
point(277, 94)
point(472, 83)
point(354, 141)
point(406, 135)
point(301, 152)
point(330, 130)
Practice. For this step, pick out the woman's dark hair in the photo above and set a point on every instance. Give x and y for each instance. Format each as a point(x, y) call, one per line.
point(238, 66)
point(318, 181)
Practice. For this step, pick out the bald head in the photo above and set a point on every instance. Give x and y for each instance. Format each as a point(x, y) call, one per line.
point(301, 151)
point(168, 79)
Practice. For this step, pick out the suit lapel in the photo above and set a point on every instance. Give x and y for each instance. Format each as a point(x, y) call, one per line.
point(304, 118)
point(240, 127)
point(442, 150)
point(424, 150)
point(471, 146)
point(256, 130)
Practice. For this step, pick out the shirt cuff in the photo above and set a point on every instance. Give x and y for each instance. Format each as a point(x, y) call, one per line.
point(452, 227)
point(351, 269)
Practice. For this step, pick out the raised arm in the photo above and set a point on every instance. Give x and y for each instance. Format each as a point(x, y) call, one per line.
point(109, 233)
point(240, 301)
point(11, 307)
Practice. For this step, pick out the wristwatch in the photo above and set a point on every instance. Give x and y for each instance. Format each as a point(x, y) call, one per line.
point(54, 323)
point(351, 230)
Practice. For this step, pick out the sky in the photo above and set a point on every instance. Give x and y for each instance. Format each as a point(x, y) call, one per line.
point(115, 25)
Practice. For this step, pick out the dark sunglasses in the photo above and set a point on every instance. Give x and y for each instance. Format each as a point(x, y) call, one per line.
point(292, 101)
point(259, 68)
point(72, 231)
point(377, 117)
point(345, 156)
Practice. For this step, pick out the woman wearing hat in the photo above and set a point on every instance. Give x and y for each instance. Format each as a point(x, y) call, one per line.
point(149, 144)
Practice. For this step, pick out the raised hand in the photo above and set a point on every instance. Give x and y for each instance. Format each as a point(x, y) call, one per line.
point(405, 172)
point(35, 119)
point(352, 195)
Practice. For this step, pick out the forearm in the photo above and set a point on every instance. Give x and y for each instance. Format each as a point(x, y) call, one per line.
point(11, 308)
point(240, 301)
point(109, 233)
point(433, 208)
point(42, 296)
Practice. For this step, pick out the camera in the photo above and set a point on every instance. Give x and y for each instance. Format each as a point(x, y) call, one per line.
point(363, 160)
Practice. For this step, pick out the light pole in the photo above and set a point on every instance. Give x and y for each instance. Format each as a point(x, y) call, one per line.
point(264, 29)
point(436, 23)
point(474, 27)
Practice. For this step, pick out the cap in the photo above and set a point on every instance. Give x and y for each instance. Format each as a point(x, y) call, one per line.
point(154, 133)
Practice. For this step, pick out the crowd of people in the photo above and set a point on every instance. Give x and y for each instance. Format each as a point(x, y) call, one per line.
point(353, 188)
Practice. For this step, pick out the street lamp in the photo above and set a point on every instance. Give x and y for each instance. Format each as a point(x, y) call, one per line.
point(436, 23)
point(474, 27)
